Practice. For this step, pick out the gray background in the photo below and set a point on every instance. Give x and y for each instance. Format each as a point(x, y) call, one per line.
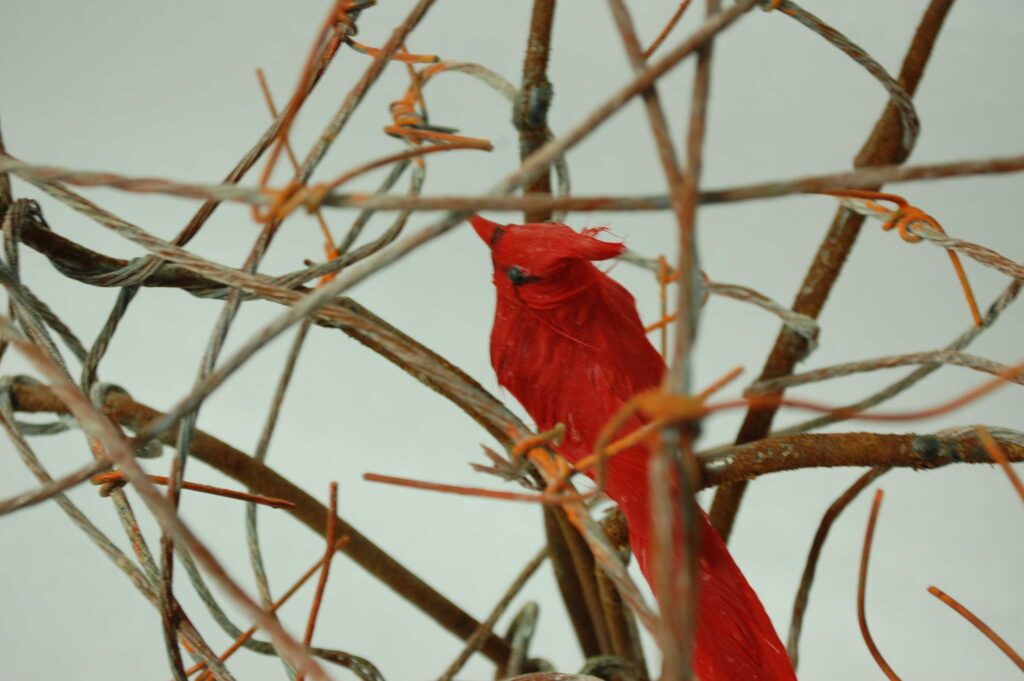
point(167, 89)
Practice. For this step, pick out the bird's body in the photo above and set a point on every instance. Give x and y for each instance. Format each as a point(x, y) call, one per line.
point(568, 343)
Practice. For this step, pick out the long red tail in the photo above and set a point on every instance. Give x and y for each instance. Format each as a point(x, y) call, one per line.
point(735, 640)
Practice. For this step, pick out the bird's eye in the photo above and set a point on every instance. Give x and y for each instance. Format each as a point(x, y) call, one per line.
point(518, 276)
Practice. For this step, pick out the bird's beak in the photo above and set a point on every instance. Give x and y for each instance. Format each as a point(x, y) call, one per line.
point(489, 231)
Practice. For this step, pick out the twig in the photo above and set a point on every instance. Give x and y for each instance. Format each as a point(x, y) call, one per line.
point(569, 583)
point(862, 588)
point(677, 445)
point(268, 99)
point(291, 591)
point(337, 17)
point(905, 450)
point(542, 158)
point(50, 489)
point(864, 177)
point(530, 110)
point(487, 625)
point(118, 476)
point(669, 25)
point(344, 314)
point(979, 625)
point(325, 570)
point(811, 565)
point(949, 357)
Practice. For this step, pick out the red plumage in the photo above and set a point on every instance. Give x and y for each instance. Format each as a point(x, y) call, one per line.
point(568, 343)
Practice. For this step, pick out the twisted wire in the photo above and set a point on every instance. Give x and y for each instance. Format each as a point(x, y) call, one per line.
point(911, 124)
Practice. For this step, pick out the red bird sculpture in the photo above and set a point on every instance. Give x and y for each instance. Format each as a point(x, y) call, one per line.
point(568, 343)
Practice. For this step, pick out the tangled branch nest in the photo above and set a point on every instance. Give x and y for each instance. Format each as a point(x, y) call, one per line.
point(390, 254)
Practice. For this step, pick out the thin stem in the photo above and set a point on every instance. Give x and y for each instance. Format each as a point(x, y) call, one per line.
point(811, 565)
point(291, 591)
point(530, 110)
point(118, 476)
point(947, 357)
point(979, 625)
point(325, 570)
point(51, 489)
point(669, 25)
point(862, 582)
point(497, 611)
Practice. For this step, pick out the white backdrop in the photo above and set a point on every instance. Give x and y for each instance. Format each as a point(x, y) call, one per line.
point(167, 89)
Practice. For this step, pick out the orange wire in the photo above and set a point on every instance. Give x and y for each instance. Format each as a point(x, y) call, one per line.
point(668, 29)
point(978, 624)
point(862, 581)
point(404, 56)
point(329, 248)
point(240, 641)
point(903, 218)
point(325, 570)
point(313, 195)
point(722, 382)
point(662, 324)
point(999, 456)
point(338, 12)
point(663, 281)
point(469, 491)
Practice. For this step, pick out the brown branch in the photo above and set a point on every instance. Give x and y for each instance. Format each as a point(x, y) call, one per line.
point(530, 111)
point(884, 146)
point(831, 450)
point(569, 583)
point(310, 512)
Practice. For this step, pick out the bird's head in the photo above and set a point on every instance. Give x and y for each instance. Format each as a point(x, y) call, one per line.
point(540, 263)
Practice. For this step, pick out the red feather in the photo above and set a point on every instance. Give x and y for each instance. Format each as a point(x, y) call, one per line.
point(568, 343)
